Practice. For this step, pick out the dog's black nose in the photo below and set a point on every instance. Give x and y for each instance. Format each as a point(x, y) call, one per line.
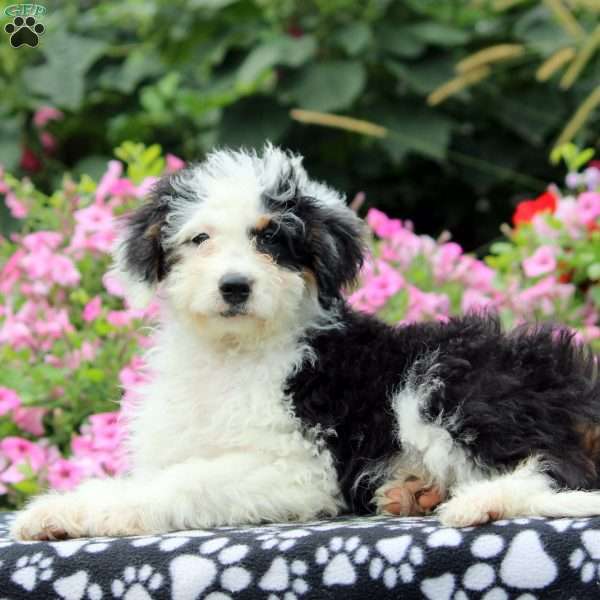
point(235, 288)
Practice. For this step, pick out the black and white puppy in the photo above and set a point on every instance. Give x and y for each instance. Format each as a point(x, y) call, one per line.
point(271, 400)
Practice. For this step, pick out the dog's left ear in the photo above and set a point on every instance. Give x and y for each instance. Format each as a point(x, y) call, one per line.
point(140, 259)
point(337, 240)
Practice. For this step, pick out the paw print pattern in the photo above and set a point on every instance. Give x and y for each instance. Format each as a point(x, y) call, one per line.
point(137, 583)
point(285, 578)
point(395, 561)
point(282, 540)
point(586, 560)
point(24, 32)
point(31, 570)
point(341, 557)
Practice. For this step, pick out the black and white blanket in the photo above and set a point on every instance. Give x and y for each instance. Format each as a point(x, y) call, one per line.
point(347, 558)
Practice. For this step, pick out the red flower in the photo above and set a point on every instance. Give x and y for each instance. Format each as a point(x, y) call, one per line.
point(294, 30)
point(591, 227)
point(528, 208)
point(29, 161)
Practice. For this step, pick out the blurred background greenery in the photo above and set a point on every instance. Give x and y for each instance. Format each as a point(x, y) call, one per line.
point(195, 74)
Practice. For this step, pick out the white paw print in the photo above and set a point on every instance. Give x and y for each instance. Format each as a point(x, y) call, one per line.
point(137, 583)
point(341, 557)
point(282, 540)
point(395, 560)
point(30, 570)
point(285, 578)
point(587, 559)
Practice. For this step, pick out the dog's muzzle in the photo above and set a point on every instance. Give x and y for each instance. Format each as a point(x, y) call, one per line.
point(235, 289)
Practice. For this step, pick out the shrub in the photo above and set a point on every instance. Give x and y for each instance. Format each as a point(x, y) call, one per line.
point(69, 345)
point(192, 75)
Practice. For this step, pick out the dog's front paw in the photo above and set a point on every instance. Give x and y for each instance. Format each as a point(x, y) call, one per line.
point(466, 511)
point(51, 517)
point(60, 517)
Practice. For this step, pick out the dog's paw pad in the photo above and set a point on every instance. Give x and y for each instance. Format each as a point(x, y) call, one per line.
point(410, 497)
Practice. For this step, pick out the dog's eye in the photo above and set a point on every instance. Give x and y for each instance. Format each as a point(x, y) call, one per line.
point(201, 237)
point(268, 234)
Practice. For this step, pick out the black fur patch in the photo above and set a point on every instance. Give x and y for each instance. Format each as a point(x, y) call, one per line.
point(145, 255)
point(306, 234)
point(511, 395)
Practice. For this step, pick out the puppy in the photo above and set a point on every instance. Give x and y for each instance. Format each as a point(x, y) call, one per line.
point(271, 400)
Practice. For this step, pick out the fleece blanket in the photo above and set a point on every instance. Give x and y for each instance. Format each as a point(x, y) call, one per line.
point(347, 558)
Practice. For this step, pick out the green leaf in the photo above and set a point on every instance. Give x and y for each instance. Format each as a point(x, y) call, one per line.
point(595, 293)
point(10, 148)
point(436, 34)
point(532, 114)
point(95, 375)
point(282, 50)
point(331, 85)
point(354, 38)
point(541, 31)
point(593, 271)
point(140, 64)
point(424, 76)
point(418, 130)
point(252, 122)
point(68, 57)
point(501, 248)
point(406, 45)
point(29, 487)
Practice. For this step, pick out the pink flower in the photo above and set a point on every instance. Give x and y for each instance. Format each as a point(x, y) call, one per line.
point(543, 228)
point(144, 188)
point(381, 224)
point(445, 260)
point(567, 212)
point(48, 141)
point(113, 285)
point(9, 400)
point(174, 163)
point(30, 419)
point(92, 309)
point(16, 334)
point(542, 261)
point(64, 474)
point(46, 113)
point(17, 208)
point(113, 173)
point(133, 374)
point(63, 271)
point(94, 230)
point(474, 301)
point(588, 207)
point(42, 240)
point(123, 187)
point(20, 450)
point(123, 318)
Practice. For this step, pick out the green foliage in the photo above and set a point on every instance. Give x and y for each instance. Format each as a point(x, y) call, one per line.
point(189, 75)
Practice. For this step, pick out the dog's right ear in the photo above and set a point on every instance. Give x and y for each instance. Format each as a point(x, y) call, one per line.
point(139, 258)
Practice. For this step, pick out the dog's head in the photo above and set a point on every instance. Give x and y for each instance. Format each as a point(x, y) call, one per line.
point(242, 241)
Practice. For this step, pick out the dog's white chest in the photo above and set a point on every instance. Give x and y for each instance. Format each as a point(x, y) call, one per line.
point(206, 405)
